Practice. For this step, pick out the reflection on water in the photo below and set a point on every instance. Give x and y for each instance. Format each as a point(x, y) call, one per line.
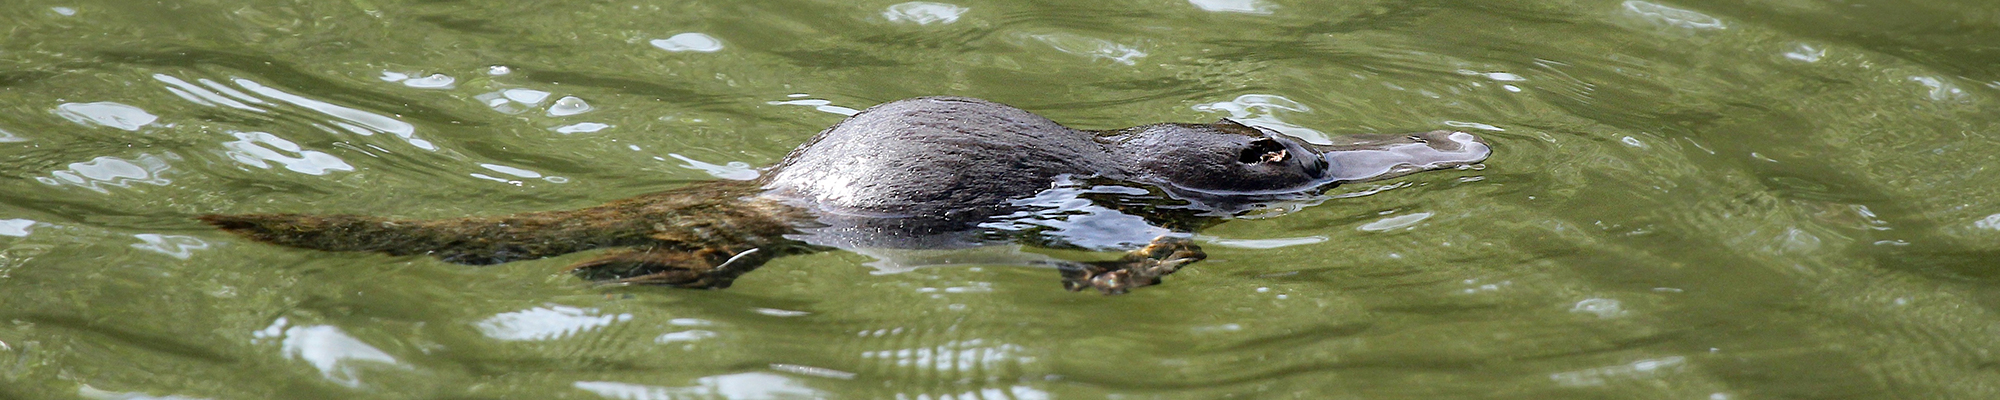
point(352, 120)
point(733, 170)
point(106, 114)
point(85, 391)
point(16, 227)
point(1635, 371)
point(338, 357)
point(1088, 47)
point(825, 106)
point(690, 41)
point(433, 81)
point(1669, 16)
point(260, 149)
point(1689, 199)
point(102, 172)
point(1262, 110)
point(554, 321)
point(1235, 6)
point(923, 13)
point(175, 246)
point(748, 385)
point(10, 137)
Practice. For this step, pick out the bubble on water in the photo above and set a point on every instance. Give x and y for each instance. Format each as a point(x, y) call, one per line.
point(924, 13)
point(106, 114)
point(691, 41)
point(10, 137)
point(65, 11)
point(567, 106)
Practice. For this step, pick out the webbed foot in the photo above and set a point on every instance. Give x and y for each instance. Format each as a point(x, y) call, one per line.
point(1142, 267)
point(704, 269)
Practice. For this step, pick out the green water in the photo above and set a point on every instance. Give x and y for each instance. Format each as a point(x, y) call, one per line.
point(1690, 199)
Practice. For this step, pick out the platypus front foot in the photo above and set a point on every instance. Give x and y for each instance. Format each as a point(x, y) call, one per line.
point(704, 269)
point(1142, 267)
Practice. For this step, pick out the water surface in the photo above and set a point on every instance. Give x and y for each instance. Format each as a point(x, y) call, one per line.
point(1690, 199)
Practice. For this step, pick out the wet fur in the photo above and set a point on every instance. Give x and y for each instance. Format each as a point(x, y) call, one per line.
point(909, 167)
point(674, 237)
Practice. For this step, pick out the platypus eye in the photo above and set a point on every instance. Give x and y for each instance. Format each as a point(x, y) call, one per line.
point(1263, 151)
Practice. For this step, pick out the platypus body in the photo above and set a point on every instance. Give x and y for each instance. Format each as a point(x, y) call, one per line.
point(930, 172)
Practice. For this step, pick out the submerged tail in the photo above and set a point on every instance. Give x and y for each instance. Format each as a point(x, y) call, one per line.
point(473, 241)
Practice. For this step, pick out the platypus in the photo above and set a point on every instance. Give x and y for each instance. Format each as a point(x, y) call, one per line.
point(923, 173)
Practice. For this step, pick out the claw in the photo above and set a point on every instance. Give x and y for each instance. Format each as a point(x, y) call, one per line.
point(1142, 267)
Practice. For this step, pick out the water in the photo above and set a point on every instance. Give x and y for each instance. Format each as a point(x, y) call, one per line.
point(1689, 199)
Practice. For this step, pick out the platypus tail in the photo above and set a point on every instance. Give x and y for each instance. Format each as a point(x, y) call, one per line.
point(471, 241)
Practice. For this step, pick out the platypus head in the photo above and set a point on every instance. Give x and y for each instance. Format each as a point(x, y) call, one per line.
point(1228, 158)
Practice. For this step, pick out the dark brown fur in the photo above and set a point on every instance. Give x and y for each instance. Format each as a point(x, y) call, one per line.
point(677, 237)
point(904, 173)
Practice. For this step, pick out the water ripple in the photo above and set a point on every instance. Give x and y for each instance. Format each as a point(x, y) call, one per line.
point(1088, 46)
point(748, 385)
point(550, 322)
point(355, 120)
point(1235, 6)
point(260, 149)
point(102, 172)
point(338, 357)
point(690, 41)
point(106, 114)
point(923, 13)
point(16, 227)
